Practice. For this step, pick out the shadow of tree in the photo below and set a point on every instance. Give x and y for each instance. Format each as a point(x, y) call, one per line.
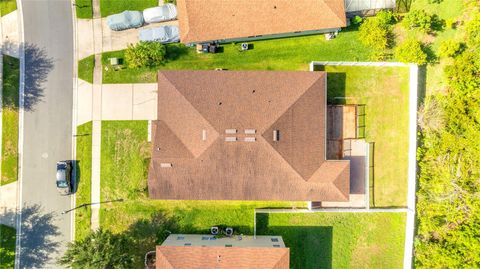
point(36, 242)
point(37, 67)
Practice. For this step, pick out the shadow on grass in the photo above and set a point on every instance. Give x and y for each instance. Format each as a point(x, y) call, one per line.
point(174, 51)
point(310, 246)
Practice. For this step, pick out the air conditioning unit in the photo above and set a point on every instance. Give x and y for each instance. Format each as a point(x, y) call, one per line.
point(214, 230)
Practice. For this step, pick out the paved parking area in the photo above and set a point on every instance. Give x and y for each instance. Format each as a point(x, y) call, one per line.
point(119, 102)
point(111, 40)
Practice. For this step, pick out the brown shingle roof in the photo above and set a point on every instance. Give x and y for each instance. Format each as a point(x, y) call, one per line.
point(171, 257)
point(194, 103)
point(205, 20)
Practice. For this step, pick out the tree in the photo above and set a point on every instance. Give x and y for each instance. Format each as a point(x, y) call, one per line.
point(145, 54)
point(473, 31)
point(449, 48)
point(418, 19)
point(376, 32)
point(373, 34)
point(100, 249)
point(411, 51)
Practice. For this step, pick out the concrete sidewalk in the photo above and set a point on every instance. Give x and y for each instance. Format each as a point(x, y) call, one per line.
point(118, 102)
point(9, 34)
point(8, 204)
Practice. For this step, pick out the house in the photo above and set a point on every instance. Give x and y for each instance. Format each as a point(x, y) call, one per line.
point(206, 251)
point(243, 135)
point(230, 21)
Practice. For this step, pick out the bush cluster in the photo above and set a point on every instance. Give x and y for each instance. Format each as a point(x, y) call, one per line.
point(145, 54)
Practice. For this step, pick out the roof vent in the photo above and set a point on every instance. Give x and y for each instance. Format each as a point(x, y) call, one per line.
point(165, 165)
point(250, 131)
point(276, 135)
point(204, 135)
point(230, 131)
point(250, 139)
point(230, 139)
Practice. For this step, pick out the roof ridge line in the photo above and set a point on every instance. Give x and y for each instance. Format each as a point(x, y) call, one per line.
point(190, 103)
point(165, 258)
point(292, 104)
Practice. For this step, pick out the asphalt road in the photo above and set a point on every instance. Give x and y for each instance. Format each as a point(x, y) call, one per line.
point(47, 130)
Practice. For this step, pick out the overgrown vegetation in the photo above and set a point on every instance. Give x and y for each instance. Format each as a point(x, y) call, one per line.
point(418, 19)
point(7, 246)
point(376, 33)
point(448, 196)
point(100, 249)
point(411, 51)
point(145, 54)
point(10, 98)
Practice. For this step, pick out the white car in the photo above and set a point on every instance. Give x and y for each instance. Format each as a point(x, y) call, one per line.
point(163, 34)
point(165, 12)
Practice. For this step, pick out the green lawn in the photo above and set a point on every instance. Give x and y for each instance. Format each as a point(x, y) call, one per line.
point(7, 246)
point(85, 68)
point(84, 9)
point(109, 7)
point(384, 91)
point(339, 240)
point(293, 53)
point(9, 160)
point(7, 6)
point(84, 172)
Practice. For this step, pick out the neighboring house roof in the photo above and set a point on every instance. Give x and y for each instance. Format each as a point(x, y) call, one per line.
point(195, 108)
point(208, 20)
point(172, 257)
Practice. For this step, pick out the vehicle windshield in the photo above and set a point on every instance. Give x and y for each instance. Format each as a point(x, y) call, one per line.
point(62, 184)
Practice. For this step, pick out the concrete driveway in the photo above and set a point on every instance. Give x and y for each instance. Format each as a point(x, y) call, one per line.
point(119, 102)
point(112, 40)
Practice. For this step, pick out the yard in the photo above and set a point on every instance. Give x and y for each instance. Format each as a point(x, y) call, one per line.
point(385, 92)
point(84, 9)
point(277, 54)
point(339, 240)
point(7, 246)
point(109, 7)
point(373, 239)
point(7, 6)
point(84, 172)
point(9, 160)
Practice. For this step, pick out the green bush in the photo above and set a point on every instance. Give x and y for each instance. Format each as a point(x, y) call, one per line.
point(411, 51)
point(145, 54)
point(170, 2)
point(385, 17)
point(356, 20)
point(472, 29)
point(374, 34)
point(449, 48)
point(100, 249)
point(418, 19)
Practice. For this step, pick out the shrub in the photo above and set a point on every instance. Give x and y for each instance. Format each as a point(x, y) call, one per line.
point(100, 249)
point(170, 2)
point(373, 34)
point(411, 51)
point(449, 48)
point(418, 19)
point(385, 18)
point(145, 54)
point(473, 31)
point(356, 20)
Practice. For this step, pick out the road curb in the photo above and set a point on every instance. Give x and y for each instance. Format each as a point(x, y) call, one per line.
point(21, 115)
